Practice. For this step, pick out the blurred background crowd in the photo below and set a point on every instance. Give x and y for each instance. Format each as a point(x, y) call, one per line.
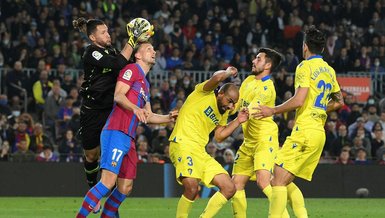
point(40, 65)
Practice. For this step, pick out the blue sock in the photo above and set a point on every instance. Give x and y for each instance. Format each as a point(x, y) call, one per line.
point(92, 198)
point(112, 203)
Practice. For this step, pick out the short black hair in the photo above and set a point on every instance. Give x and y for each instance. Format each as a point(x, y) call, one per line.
point(273, 56)
point(315, 40)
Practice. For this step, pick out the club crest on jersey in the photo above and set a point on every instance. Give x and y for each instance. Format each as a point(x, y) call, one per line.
point(97, 55)
point(127, 75)
point(113, 163)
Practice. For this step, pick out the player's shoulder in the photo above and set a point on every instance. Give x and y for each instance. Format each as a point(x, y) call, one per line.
point(129, 71)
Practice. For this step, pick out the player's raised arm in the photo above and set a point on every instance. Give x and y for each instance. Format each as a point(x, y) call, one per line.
point(336, 102)
point(218, 77)
point(159, 118)
point(121, 99)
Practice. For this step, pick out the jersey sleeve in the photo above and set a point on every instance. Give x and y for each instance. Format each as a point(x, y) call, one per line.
point(127, 75)
point(102, 59)
point(302, 75)
point(199, 87)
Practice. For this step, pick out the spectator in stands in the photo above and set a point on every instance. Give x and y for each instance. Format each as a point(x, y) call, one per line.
point(372, 111)
point(377, 141)
point(342, 62)
point(360, 122)
point(68, 82)
point(62, 92)
point(39, 139)
point(228, 156)
point(382, 121)
point(17, 82)
point(4, 151)
point(361, 157)
point(23, 154)
point(212, 150)
point(331, 136)
point(344, 158)
point(159, 141)
point(40, 91)
point(354, 114)
point(174, 60)
point(341, 140)
point(47, 155)
point(69, 148)
point(52, 106)
point(21, 134)
point(4, 107)
point(143, 151)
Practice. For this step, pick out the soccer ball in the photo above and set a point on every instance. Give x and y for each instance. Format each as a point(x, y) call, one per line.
point(143, 29)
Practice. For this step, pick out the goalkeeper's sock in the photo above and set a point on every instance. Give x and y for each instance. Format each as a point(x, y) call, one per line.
point(112, 204)
point(91, 169)
point(268, 191)
point(297, 201)
point(184, 207)
point(278, 201)
point(215, 203)
point(239, 204)
point(91, 199)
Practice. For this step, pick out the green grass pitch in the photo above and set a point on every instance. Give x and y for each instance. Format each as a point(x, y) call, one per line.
point(17, 207)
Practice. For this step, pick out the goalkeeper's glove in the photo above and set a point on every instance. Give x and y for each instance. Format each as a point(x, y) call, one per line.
point(138, 31)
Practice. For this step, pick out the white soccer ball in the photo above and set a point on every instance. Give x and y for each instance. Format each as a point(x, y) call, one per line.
point(147, 29)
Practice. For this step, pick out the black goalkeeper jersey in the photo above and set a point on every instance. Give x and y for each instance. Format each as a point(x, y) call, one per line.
point(101, 68)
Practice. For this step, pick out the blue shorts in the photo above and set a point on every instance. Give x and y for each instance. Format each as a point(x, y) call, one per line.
point(114, 146)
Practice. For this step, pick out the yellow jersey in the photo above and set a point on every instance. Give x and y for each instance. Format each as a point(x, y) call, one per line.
point(315, 74)
point(255, 92)
point(197, 118)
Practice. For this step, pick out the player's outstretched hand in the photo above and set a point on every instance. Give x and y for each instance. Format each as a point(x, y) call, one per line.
point(232, 71)
point(139, 30)
point(142, 114)
point(262, 112)
point(173, 115)
point(243, 115)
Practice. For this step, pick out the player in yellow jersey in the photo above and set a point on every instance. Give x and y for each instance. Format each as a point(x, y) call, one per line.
point(204, 111)
point(255, 157)
point(316, 93)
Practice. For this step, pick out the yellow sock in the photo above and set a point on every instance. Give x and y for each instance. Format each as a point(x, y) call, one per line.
point(278, 201)
point(239, 204)
point(215, 203)
point(268, 192)
point(297, 201)
point(184, 207)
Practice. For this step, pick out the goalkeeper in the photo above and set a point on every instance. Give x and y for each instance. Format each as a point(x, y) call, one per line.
point(102, 64)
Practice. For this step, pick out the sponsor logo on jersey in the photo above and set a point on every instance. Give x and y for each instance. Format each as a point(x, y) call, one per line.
point(209, 112)
point(127, 75)
point(97, 55)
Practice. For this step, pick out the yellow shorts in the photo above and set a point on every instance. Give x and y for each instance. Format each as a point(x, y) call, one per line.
point(301, 152)
point(260, 157)
point(194, 163)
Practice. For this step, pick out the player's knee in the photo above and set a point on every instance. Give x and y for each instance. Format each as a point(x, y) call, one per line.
point(91, 156)
point(126, 189)
point(262, 183)
point(228, 189)
point(192, 190)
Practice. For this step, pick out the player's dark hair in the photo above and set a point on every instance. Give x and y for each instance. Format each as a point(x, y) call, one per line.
point(315, 40)
point(86, 26)
point(273, 56)
point(225, 88)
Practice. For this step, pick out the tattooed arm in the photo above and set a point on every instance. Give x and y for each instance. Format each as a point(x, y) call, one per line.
point(336, 102)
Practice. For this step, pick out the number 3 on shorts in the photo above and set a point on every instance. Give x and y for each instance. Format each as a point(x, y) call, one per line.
point(116, 154)
point(190, 161)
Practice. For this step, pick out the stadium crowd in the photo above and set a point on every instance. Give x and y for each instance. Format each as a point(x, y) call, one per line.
point(189, 35)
